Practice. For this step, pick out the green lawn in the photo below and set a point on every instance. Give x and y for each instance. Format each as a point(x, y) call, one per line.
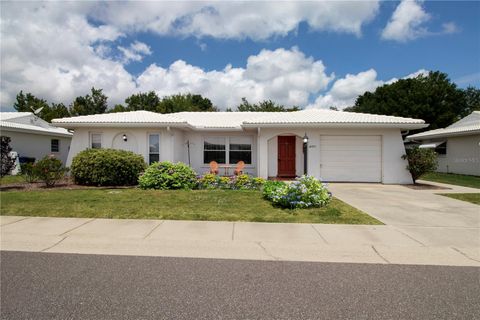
point(12, 179)
point(213, 205)
point(469, 197)
point(456, 179)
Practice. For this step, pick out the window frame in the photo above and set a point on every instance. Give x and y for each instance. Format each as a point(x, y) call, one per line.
point(57, 148)
point(148, 146)
point(227, 150)
point(91, 139)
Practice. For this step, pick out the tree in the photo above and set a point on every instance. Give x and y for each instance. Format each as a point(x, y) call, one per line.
point(433, 98)
point(472, 97)
point(57, 110)
point(420, 161)
point(7, 161)
point(93, 103)
point(29, 103)
point(118, 108)
point(264, 106)
point(185, 102)
point(143, 101)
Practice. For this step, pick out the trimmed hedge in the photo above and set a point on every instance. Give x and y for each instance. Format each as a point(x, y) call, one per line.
point(107, 167)
point(167, 176)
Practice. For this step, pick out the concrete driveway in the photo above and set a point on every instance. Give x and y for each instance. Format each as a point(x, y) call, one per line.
point(423, 215)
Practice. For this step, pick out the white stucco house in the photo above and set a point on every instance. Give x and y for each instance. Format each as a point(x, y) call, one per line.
point(458, 145)
point(342, 146)
point(33, 137)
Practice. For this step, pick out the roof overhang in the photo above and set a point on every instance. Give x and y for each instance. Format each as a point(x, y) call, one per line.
point(342, 125)
point(440, 135)
point(39, 132)
point(431, 145)
point(73, 125)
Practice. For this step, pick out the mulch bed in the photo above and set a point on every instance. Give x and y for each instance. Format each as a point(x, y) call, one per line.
point(65, 184)
point(424, 186)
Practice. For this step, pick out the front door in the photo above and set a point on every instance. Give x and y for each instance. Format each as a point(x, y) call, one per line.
point(286, 156)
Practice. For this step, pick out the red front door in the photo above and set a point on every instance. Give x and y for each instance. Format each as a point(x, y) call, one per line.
point(286, 156)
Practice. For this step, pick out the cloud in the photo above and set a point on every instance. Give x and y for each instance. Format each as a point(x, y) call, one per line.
point(237, 20)
point(285, 76)
point(58, 55)
point(406, 22)
point(53, 51)
point(345, 91)
point(59, 50)
point(450, 28)
point(135, 52)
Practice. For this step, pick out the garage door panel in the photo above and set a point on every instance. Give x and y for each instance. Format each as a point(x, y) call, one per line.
point(351, 158)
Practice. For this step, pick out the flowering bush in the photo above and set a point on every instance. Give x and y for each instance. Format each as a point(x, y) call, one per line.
point(167, 175)
point(50, 170)
point(304, 192)
point(240, 182)
point(29, 172)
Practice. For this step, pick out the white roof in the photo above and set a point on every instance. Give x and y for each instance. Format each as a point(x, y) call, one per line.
point(325, 117)
point(35, 126)
point(466, 126)
point(221, 120)
point(131, 119)
point(240, 120)
point(13, 115)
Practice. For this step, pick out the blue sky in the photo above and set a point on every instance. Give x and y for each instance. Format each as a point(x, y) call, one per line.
point(315, 54)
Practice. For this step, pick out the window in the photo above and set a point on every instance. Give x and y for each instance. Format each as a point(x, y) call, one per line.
point(55, 145)
point(214, 150)
point(441, 149)
point(240, 150)
point(227, 150)
point(153, 148)
point(96, 140)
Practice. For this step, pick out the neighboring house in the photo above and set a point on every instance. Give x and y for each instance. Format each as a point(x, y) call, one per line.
point(342, 146)
point(458, 145)
point(33, 137)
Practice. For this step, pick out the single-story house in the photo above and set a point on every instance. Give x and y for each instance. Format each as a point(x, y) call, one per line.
point(32, 137)
point(340, 146)
point(457, 146)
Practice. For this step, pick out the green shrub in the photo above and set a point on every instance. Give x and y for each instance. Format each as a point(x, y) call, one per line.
point(29, 172)
point(107, 167)
point(49, 170)
point(167, 176)
point(420, 161)
point(304, 192)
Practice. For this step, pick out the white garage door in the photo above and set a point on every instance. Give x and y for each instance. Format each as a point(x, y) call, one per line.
point(351, 158)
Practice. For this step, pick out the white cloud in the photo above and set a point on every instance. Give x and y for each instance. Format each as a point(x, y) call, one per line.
point(450, 28)
point(135, 52)
point(56, 53)
point(59, 55)
point(345, 91)
point(285, 76)
point(55, 50)
point(240, 19)
point(406, 22)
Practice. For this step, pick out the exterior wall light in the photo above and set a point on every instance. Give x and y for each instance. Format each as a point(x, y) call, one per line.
point(124, 137)
point(305, 153)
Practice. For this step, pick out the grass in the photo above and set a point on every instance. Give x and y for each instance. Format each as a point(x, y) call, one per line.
point(451, 178)
point(469, 197)
point(12, 179)
point(212, 205)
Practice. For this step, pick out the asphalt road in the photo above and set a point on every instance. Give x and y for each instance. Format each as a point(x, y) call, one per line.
point(68, 286)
